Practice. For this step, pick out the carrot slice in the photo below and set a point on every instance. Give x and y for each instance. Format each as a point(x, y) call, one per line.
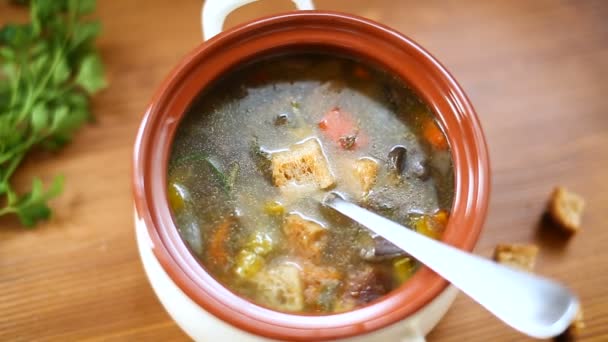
point(217, 243)
point(441, 217)
point(432, 225)
point(337, 123)
point(340, 127)
point(433, 134)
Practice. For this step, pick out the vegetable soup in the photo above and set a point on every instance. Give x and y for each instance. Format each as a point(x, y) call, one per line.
point(258, 151)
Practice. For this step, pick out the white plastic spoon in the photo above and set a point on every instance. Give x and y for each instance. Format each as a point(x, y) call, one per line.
point(534, 305)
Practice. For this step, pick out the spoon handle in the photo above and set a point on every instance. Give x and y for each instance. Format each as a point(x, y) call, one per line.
point(531, 304)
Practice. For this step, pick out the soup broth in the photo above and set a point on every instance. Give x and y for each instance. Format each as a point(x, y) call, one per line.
point(258, 151)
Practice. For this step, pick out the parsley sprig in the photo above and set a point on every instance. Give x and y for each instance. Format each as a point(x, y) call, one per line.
point(49, 68)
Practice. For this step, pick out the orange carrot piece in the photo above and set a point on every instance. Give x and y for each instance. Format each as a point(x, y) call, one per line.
point(434, 135)
point(339, 125)
point(323, 124)
point(441, 217)
point(432, 225)
point(217, 243)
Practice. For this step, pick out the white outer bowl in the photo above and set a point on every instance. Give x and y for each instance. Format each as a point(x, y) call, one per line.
point(201, 325)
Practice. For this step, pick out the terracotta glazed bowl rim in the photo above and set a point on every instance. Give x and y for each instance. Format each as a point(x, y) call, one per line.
point(320, 31)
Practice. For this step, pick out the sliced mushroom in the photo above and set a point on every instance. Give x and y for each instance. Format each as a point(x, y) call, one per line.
point(348, 141)
point(380, 250)
point(397, 158)
point(281, 119)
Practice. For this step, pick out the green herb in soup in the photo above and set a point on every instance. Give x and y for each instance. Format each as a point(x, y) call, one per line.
point(257, 152)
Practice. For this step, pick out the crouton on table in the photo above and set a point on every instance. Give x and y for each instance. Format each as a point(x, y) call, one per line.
point(303, 163)
point(516, 255)
point(566, 209)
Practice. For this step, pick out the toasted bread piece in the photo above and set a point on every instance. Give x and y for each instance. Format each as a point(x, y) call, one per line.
point(303, 163)
point(321, 285)
point(566, 209)
point(516, 255)
point(281, 287)
point(366, 171)
point(306, 237)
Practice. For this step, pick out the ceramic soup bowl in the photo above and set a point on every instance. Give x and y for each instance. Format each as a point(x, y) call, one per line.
point(204, 308)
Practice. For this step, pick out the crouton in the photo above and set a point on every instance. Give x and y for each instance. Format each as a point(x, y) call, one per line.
point(321, 285)
point(306, 237)
point(516, 255)
point(566, 209)
point(366, 171)
point(303, 163)
point(281, 287)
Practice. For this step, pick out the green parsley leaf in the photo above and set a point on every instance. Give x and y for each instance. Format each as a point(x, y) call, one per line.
point(40, 117)
point(82, 6)
point(61, 72)
point(48, 69)
point(90, 76)
point(85, 33)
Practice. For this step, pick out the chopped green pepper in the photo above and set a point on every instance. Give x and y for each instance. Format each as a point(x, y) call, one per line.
point(274, 208)
point(251, 258)
point(248, 263)
point(403, 268)
point(261, 243)
point(177, 195)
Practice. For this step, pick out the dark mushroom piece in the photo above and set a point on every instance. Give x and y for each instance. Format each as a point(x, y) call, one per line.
point(363, 285)
point(381, 250)
point(396, 159)
point(281, 119)
point(348, 141)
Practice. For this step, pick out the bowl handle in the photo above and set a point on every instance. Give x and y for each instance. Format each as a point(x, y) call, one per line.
point(214, 13)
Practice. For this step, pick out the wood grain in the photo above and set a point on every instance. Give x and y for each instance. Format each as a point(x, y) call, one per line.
point(536, 71)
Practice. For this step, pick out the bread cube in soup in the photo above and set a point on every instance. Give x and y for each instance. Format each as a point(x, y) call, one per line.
point(303, 163)
point(307, 238)
point(366, 171)
point(281, 287)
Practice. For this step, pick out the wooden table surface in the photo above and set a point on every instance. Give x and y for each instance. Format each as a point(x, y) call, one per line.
point(537, 72)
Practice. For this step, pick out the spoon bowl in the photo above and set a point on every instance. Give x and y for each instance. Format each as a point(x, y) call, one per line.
point(533, 305)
